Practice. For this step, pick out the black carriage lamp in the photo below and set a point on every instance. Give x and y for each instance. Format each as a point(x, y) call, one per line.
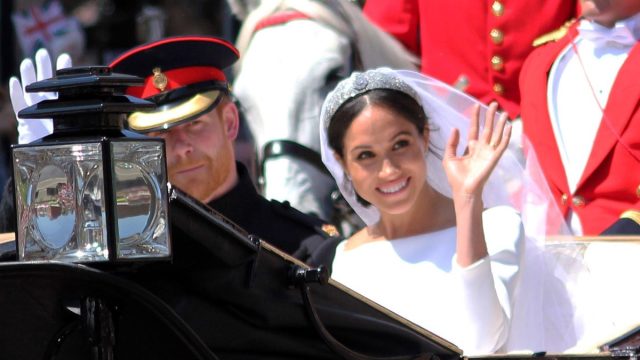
point(90, 191)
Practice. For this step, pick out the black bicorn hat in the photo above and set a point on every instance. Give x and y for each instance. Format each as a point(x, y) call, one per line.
point(183, 75)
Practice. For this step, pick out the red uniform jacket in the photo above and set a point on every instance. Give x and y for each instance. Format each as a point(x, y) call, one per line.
point(611, 178)
point(484, 41)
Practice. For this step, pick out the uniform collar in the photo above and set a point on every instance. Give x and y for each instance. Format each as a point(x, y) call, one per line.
point(239, 197)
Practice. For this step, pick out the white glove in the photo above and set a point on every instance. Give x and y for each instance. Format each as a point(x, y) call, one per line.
point(33, 129)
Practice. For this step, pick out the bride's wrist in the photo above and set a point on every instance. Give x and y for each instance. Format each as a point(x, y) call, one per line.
point(467, 200)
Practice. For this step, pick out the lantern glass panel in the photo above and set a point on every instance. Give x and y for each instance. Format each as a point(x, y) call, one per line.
point(59, 192)
point(140, 198)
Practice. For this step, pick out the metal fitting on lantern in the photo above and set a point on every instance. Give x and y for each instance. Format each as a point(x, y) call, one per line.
point(90, 191)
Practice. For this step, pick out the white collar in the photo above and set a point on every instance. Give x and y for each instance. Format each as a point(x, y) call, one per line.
point(625, 32)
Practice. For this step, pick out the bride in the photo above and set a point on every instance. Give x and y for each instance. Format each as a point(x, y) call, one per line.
point(436, 249)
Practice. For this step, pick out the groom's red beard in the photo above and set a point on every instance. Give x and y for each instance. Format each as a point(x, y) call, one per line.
point(201, 175)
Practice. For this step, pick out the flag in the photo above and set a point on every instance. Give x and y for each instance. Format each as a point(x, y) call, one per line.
point(47, 26)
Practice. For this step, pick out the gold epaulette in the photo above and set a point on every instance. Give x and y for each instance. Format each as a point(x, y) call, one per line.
point(553, 35)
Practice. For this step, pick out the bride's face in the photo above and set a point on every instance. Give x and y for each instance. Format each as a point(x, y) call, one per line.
point(384, 156)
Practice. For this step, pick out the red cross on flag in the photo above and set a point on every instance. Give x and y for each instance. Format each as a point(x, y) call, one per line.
point(46, 26)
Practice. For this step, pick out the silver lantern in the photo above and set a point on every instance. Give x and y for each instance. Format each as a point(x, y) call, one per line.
point(90, 191)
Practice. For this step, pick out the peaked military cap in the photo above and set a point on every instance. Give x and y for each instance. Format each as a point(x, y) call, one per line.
point(183, 75)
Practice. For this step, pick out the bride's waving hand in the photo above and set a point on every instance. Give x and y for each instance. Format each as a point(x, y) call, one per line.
point(468, 173)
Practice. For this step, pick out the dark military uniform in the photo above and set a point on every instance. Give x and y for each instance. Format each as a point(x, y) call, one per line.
point(272, 221)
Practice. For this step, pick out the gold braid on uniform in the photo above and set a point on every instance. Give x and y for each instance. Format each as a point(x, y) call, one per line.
point(553, 35)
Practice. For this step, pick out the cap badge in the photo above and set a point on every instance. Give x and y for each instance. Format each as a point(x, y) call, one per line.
point(160, 80)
